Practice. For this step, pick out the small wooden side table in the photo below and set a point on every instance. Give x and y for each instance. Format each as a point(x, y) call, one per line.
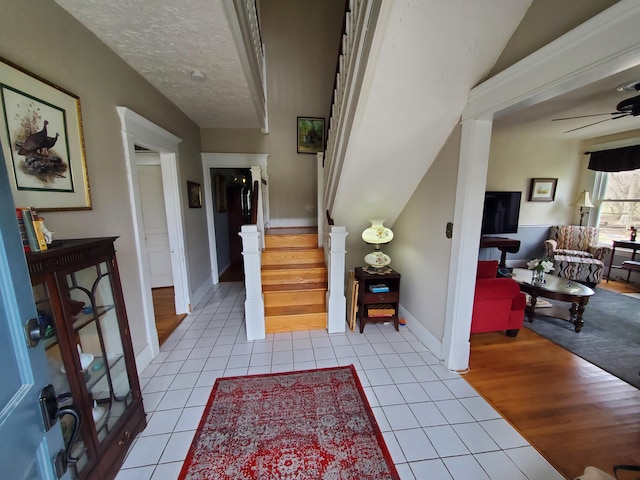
point(634, 246)
point(374, 307)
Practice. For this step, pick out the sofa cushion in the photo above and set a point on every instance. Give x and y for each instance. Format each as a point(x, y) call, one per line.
point(487, 269)
point(573, 237)
point(572, 253)
point(581, 269)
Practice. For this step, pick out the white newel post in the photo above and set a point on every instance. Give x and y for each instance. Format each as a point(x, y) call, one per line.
point(336, 300)
point(254, 304)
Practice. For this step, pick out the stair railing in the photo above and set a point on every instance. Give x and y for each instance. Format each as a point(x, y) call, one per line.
point(359, 25)
point(242, 16)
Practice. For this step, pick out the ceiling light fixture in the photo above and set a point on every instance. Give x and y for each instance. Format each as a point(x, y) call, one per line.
point(198, 76)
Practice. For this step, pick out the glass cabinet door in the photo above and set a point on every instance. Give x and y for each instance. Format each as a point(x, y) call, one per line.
point(79, 455)
point(98, 340)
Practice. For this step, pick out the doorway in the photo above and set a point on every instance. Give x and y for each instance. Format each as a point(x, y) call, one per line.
point(256, 164)
point(137, 130)
point(156, 237)
point(237, 212)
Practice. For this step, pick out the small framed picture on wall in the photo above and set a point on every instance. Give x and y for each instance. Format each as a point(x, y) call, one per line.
point(543, 189)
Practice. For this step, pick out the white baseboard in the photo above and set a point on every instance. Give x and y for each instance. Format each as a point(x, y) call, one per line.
point(425, 336)
point(201, 292)
point(292, 222)
point(143, 359)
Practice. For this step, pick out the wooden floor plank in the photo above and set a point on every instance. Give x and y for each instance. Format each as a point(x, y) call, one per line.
point(165, 312)
point(572, 412)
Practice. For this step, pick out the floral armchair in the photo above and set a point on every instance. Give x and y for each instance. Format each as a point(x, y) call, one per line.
point(576, 253)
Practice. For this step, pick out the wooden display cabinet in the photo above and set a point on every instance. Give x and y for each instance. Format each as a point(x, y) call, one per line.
point(381, 306)
point(79, 300)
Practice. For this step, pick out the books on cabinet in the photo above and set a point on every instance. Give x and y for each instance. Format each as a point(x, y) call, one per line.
point(31, 230)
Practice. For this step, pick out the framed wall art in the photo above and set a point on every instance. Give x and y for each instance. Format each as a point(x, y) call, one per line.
point(310, 134)
point(194, 192)
point(542, 189)
point(42, 141)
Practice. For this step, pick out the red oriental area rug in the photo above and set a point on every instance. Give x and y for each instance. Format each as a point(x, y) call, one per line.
point(312, 424)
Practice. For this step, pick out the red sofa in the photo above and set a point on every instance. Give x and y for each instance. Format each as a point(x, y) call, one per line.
point(498, 303)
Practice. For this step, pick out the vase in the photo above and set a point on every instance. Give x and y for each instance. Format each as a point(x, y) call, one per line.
point(537, 277)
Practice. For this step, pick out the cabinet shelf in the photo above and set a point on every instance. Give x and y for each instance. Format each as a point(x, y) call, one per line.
point(81, 321)
point(70, 274)
point(378, 307)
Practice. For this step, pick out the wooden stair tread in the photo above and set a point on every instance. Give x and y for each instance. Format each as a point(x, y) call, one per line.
point(294, 249)
point(291, 310)
point(299, 266)
point(287, 287)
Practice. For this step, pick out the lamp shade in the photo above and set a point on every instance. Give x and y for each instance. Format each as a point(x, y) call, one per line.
point(377, 233)
point(583, 200)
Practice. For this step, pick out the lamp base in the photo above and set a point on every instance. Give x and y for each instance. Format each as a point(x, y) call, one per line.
point(377, 270)
point(377, 258)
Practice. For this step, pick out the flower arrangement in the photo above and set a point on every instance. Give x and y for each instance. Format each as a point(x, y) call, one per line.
point(540, 265)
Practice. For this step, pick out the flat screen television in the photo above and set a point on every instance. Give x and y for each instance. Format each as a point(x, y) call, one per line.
point(501, 212)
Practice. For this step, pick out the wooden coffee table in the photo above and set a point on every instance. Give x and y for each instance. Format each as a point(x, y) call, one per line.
point(555, 288)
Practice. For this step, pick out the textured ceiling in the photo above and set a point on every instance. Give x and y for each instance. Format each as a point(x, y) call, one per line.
point(165, 42)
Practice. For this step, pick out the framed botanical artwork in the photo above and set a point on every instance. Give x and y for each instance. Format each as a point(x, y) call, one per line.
point(42, 141)
point(542, 189)
point(310, 134)
point(220, 187)
point(194, 191)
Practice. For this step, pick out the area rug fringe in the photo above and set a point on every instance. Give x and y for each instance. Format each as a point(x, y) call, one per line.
point(302, 425)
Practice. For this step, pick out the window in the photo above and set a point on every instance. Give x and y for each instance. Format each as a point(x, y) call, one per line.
point(619, 205)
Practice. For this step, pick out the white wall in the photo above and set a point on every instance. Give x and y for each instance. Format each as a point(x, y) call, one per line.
point(420, 251)
point(41, 37)
point(516, 157)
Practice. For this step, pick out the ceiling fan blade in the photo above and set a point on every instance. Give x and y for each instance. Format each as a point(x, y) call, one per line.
point(595, 123)
point(585, 116)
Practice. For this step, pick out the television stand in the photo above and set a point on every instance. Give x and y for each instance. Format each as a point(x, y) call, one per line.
point(505, 245)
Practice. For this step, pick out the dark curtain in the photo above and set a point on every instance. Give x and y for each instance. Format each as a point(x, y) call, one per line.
point(615, 160)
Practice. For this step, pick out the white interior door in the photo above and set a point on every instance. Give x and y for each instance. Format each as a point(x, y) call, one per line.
point(156, 232)
point(27, 451)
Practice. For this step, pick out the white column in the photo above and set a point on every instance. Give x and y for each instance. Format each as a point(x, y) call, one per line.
point(254, 303)
point(472, 167)
point(336, 300)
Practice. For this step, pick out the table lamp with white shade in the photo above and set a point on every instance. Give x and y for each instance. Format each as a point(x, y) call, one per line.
point(582, 200)
point(377, 234)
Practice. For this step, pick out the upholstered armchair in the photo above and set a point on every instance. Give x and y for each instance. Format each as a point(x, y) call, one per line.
point(576, 253)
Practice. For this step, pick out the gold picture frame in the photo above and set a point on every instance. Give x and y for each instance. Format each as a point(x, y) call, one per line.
point(42, 141)
point(194, 193)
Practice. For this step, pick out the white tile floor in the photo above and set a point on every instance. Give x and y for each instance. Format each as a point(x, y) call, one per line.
point(435, 425)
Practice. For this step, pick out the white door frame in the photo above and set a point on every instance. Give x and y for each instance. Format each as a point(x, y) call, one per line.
point(136, 130)
point(229, 160)
point(604, 45)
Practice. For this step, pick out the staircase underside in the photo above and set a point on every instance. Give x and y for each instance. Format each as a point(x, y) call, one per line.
point(294, 282)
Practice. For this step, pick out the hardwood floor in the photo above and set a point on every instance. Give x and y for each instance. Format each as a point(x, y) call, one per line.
point(165, 312)
point(572, 412)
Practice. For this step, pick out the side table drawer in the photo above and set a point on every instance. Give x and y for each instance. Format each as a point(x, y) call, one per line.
point(387, 297)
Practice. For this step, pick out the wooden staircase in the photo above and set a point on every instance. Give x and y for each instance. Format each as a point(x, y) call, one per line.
point(294, 282)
